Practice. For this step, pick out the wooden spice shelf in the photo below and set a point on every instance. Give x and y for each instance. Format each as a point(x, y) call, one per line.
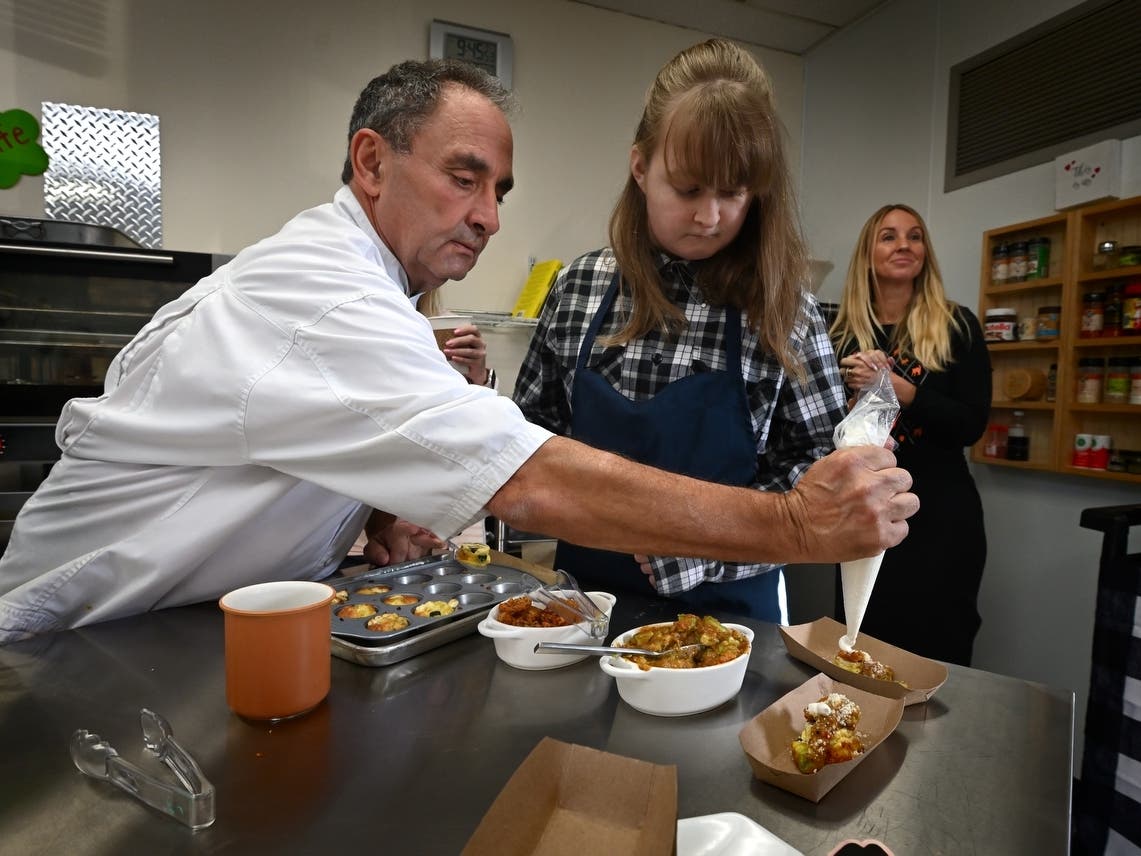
point(1052, 425)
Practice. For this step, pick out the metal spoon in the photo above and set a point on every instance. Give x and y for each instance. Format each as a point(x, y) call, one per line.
point(570, 648)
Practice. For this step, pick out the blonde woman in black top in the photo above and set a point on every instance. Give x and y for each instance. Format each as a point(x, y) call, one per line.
point(894, 313)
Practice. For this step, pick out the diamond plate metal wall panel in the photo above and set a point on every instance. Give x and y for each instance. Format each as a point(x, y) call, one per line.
point(105, 168)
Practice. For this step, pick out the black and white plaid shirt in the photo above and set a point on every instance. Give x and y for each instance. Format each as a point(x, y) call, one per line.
point(792, 422)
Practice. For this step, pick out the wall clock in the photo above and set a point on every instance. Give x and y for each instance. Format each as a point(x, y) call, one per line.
point(489, 50)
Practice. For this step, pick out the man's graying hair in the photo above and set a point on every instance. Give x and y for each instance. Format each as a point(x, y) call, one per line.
point(397, 103)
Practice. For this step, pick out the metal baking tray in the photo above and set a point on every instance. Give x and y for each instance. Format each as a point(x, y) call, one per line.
point(429, 579)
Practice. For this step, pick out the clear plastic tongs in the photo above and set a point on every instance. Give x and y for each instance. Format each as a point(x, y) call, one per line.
point(191, 801)
point(564, 597)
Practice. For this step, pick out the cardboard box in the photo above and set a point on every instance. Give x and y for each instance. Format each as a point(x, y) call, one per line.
point(568, 800)
point(767, 738)
point(1088, 175)
point(816, 643)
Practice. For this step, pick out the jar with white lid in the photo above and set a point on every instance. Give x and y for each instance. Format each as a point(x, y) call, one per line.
point(1001, 325)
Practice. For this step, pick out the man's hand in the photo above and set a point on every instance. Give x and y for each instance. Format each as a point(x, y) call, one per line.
point(391, 540)
point(852, 504)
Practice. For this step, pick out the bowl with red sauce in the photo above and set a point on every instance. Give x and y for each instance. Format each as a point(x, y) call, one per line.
point(518, 624)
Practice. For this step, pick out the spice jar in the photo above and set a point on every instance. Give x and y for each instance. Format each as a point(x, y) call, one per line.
point(1117, 380)
point(1083, 444)
point(1091, 376)
point(1000, 264)
point(1106, 255)
point(1113, 310)
point(1018, 254)
point(1052, 383)
point(1129, 256)
point(1038, 258)
point(1093, 314)
point(1001, 325)
point(1116, 461)
point(1131, 309)
point(994, 444)
point(1135, 381)
point(1049, 319)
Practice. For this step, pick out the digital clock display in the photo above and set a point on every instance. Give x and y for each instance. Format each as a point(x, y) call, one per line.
point(486, 49)
point(476, 51)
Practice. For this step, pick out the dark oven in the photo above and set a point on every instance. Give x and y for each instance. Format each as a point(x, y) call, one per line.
point(66, 308)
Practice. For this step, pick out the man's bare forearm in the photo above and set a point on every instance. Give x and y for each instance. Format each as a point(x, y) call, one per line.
point(571, 491)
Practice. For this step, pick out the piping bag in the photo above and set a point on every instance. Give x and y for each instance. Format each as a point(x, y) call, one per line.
point(868, 423)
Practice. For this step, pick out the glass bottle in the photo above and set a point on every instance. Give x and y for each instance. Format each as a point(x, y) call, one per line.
point(1111, 320)
point(1017, 443)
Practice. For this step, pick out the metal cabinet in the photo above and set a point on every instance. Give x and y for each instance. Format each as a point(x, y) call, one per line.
point(66, 309)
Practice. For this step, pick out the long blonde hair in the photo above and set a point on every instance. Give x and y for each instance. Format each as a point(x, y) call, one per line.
point(925, 329)
point(711, 108)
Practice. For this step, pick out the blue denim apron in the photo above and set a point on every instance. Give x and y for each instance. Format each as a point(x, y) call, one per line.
point(698, 426)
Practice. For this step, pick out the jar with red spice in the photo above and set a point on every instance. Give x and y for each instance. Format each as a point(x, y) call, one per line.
point(1131, 309)
point(1093, 314)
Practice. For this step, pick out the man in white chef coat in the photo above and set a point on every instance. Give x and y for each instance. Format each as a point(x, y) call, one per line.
point(254, 424)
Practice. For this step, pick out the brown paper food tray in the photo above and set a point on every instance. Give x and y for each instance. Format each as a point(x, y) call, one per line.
point(569, 800)
point(767, 738)
point(816, 644)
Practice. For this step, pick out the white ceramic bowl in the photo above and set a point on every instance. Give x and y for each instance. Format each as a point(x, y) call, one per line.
point(516, 645)
point(677, 692)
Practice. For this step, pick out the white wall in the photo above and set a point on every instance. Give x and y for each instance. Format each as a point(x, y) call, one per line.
point(254, 101)
point(875, 125)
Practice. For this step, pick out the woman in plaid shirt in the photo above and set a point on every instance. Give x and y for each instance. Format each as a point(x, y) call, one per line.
point(691, 344)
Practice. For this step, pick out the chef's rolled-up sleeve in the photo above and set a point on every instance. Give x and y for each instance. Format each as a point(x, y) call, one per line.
point(399, 429)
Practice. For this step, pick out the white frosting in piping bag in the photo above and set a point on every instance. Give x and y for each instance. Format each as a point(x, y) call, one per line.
point(858, 577)
point(869, 423)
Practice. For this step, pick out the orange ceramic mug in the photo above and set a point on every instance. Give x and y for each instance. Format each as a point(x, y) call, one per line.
point(277, 648)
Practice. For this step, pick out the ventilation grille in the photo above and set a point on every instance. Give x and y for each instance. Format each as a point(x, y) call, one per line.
point(1072, 81)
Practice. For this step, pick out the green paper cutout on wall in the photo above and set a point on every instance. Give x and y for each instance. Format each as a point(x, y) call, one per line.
point(20, 153)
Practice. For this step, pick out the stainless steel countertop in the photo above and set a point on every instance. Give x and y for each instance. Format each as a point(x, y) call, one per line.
point(407, 758)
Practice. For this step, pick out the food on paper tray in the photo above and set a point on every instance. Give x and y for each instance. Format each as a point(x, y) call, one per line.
point(436, 607)
point(477, 555)
point(862, 663)
point(387, 622)
point(357, 610)
point(723, 643)
point(829, 735)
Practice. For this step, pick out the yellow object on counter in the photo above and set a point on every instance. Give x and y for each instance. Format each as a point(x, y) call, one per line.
point(535, 289)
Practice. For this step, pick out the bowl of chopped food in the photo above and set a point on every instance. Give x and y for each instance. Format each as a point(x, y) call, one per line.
point(516, 625)
point(690, 682)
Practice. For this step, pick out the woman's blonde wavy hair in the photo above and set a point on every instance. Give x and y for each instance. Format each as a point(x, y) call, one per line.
point(925, 329)
point(711, 111)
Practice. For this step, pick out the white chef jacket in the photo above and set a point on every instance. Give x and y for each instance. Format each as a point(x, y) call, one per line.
point(244, 434)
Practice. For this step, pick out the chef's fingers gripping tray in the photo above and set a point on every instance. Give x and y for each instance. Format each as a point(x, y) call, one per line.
point(389, 614)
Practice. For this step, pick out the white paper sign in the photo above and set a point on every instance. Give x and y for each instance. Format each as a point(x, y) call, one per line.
point(1088, 175)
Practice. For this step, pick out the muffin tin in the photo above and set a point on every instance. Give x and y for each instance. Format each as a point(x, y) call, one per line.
point(434, 578)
